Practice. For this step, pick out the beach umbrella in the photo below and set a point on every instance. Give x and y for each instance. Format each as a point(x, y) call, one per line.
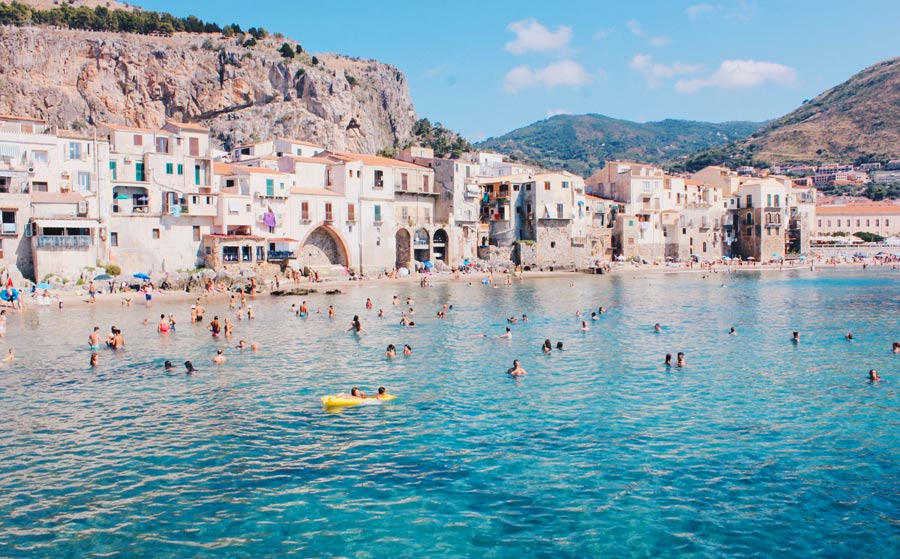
point(44, 285)
point(142, 276)
point(750, 258)
point(620, 258)
point(402, 272)
point(802, 259)
point(102, 277)
point(428, 264)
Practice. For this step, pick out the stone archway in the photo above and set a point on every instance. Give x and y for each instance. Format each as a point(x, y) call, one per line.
point(403, 248)
point(323, 247)
point(422, 245)
point(440, 245)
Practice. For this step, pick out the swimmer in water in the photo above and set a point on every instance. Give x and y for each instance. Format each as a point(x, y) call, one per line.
point(391, 351)
point(382, 392)
point(601, 310)
point(168, 366)
point(594, 316)
point(668, 362)
point(507, 335)
point(584, 326)
point(254, 346)
point(849, 336)
point(407, 351)
point(330, 311)
point(380, 313)
point(219, 358)
point(516, 370)
point(163, 325)
point(189, 368)
point(796, 337)
point(95, 359)
point(559, 346)
point(657, 327)
point(895, 348)
point(357, 393)
point(395, 301)
point(241, 345)
point(733, 332)
point(356, 326)
point(873, 376)
point(680, 361)
point(547, 347)
point(94, 339)
point(215, 327)
point(369, 304)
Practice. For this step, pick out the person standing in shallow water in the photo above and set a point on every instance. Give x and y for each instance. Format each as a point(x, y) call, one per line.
point(516, 370)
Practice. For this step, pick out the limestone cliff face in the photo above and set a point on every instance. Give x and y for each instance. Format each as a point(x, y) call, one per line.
point(76, 79)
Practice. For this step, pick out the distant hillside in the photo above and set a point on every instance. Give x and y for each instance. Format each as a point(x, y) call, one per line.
point(855, 121)
point(581, 143)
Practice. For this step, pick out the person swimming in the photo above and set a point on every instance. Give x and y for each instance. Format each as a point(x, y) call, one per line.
point(680, 362)
point(849, 336)
point(733, 332)
point(559, 346)
point(657, 327)
point(219, 358)
point(668, 362)
point(215, 327)
point(369, 303)
point(516, 370)
point(95, 359)
point(796, 337)
point(873, 376)
point(391, 351)
point(584, 326)
point(895, 348)
point(507, 334)
point(189, 368)
point(356, 325)
point(357, 393)
point(382, 392)
point(547, 347)
point(594, 316)
point(163, 325)
point(241, 345)
point(168, 366)
point(407, 351)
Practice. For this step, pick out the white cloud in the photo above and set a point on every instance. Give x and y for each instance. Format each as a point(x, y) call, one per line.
point(603, 33)
point(562, 73)
point(531, 35)
point(655, 72)
point(641, 33)
point(736, 74)
point(697, 10)
point(554, 112)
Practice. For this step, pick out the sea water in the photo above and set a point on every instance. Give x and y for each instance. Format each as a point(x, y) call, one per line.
point(757, 448)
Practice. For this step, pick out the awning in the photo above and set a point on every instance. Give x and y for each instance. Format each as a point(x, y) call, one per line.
point(234, 206)
point(68, 223)
point(473, 189)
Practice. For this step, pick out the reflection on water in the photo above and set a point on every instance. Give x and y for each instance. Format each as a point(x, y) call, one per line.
point(756, 448)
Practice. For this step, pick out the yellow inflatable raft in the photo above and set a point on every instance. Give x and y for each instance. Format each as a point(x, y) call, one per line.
point(345, 400)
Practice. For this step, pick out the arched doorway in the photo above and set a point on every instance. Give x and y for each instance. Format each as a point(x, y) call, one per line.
point(323, 247)
point(440, 244)
point(402, 238)
point(422, 245)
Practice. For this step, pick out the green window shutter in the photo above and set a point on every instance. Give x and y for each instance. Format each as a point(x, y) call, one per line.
point(180, 169)
point(270, 187)
point(112, 170)
point(168, 168)
point(139, 172)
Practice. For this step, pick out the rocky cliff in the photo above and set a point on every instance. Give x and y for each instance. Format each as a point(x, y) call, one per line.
point(76, 79)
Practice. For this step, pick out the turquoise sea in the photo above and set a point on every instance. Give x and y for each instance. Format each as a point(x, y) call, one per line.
point(757, 448)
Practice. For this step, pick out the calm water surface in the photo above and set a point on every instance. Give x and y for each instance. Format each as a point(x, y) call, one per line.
point(757, 448)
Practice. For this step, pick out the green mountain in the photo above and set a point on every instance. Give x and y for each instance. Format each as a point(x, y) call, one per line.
point(581, 143)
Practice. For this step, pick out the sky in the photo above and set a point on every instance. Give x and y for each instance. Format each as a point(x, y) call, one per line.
point(487, 67)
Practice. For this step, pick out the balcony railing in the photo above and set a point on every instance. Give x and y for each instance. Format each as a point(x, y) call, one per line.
point(280, 255)
point(69, 241)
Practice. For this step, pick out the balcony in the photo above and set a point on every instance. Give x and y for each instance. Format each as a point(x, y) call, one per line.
point(280, 255)
point(8, 229)
point(64, 242)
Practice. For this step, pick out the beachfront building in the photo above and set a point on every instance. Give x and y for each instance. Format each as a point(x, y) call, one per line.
point(252, 154)
point(869, 217)
point(640, 188)
point(457, 202)
point(725, 179)
point(801, 218)
point(50, 187)
point(759, 212)
point(161, 199)
point(602, 214)
point(496, 165)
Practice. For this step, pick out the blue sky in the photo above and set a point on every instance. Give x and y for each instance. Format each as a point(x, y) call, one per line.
point(487, 67)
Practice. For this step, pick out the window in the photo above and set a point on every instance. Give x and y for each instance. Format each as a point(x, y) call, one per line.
point(39, 157)
point(749, 201)
point(194, 148)
point(196, 174)
point(404, 181)
point(247, 254)
point(230, 254)
point(425, 184)
point(559, 211)
point(260, 254)
point(377, 213)
point(749, 231)
point(839, 223)
point(552, 244)
point(769, 200)
point(139, 172)
point(820, 223)
point(270, 187)
point(196, 233)
point(867, 223)
point(427, 212)
point(74, 150)
point(887, 223)
point(528, 187)
point(113, 239)
point(516, 187)
point(155, 233)
point(84, 182)
point(404, 214)
point(169, 168)
point(162, 145)
point(546, 185)
point(138, 140)
point(9, 222)
point(648, 187)
point(379, 179)
point(565, 184)
point(180, 169)
point(876, 223)
point(329, 216)
point(112, 170)
point(829, 223)
point(39, 186)
point(304, 211)
point(777, 201)
point(749, 219)
point(351, 212)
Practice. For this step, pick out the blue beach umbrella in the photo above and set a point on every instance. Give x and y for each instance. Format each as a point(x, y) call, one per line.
point(44, 285)
point(142, 276)
point(102, 277)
